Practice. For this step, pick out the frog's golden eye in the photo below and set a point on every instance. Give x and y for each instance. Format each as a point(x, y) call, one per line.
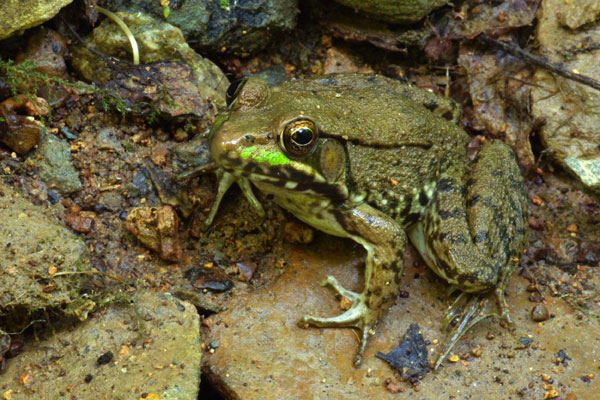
point(299, 137)
point(233, 90)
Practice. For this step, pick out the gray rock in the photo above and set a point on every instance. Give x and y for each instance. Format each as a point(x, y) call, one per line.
point(570, 110)
point(108, 140)
point(18, 15)
point(53, 158)
point(150, 347)
point(588, 171)
point(240, 26)
point(38, 257)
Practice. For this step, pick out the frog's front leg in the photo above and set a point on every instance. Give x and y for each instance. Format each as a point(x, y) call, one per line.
point(384, 241)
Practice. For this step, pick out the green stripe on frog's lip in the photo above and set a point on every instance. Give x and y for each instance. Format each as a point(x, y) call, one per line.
point(284, 176)
point(262, 155)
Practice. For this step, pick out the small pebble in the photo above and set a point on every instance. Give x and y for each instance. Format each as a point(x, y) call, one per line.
point(539, 313)
point(572, 228)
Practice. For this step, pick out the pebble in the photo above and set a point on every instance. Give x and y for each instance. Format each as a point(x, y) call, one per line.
point(539, 313)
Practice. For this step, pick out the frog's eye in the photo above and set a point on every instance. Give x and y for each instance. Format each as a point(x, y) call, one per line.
point(299, 137)
point(233, 90)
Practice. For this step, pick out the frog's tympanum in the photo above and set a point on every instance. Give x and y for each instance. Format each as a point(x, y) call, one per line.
point(375, 160)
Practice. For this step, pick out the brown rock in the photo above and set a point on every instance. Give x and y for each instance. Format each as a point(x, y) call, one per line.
point(46, 48)
point(18, 130)
point(157, 229)
point(338, 61)
point(263, 354)
point(539, 313)
point(80, 222)
point(296, 232)
point(160, 154)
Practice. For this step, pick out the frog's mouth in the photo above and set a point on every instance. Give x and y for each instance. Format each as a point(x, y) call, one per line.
point(289, 176)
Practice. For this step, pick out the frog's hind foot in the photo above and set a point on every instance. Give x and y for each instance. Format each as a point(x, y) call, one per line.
point(468, 310)
point(357, 316)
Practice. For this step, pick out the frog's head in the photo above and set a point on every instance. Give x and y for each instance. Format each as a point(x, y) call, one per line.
point(272, 140)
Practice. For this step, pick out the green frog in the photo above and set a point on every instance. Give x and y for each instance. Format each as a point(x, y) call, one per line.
point(378, 161)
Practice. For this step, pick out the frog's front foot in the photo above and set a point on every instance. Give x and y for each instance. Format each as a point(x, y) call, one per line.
point(357, 316)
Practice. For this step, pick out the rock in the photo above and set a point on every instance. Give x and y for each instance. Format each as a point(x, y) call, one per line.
point(500, 96)
point(80, 222)
point(160, 360)
point(108, 139)
point(539, 313)
point(18, 15)
point(339, 61)
point(157, 229)
point(396, 11)
point(19, 132)
point(157, 41)
point(5, 342)
point(570, 110)
point(33, 245)
point(240, 28)
point(263, 354)
point(46, 48)
point(163, 90)
point(53, 158)
point(274, 75)
point(190, 155)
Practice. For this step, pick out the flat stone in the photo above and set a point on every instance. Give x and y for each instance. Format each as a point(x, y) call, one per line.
point(263, 354)
point(110, 356)
point(18, 15)
point(53, 158)
point(569, 109)
point(31, 243)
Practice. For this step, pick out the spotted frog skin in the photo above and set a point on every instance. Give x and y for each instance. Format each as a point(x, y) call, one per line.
point(375, 160)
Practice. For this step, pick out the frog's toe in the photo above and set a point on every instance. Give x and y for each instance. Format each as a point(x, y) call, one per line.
point(356, 317)
point(503, 307)
point(351, 318)
point(331, 281)
point(468, 313)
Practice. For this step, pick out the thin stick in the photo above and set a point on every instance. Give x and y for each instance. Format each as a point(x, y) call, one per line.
point(539, 61)
point(117, 20)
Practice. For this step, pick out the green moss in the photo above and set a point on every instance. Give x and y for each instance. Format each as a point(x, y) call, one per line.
point(224, 4)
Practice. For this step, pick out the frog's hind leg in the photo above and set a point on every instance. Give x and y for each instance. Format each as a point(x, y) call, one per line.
point(473, 231)
point(384, 241)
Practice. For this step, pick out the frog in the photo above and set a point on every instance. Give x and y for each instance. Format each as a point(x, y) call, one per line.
point(381, 162)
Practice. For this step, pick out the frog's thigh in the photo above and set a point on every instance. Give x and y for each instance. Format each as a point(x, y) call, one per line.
point(497, 207)
point(475, 225)
point(384, 240)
